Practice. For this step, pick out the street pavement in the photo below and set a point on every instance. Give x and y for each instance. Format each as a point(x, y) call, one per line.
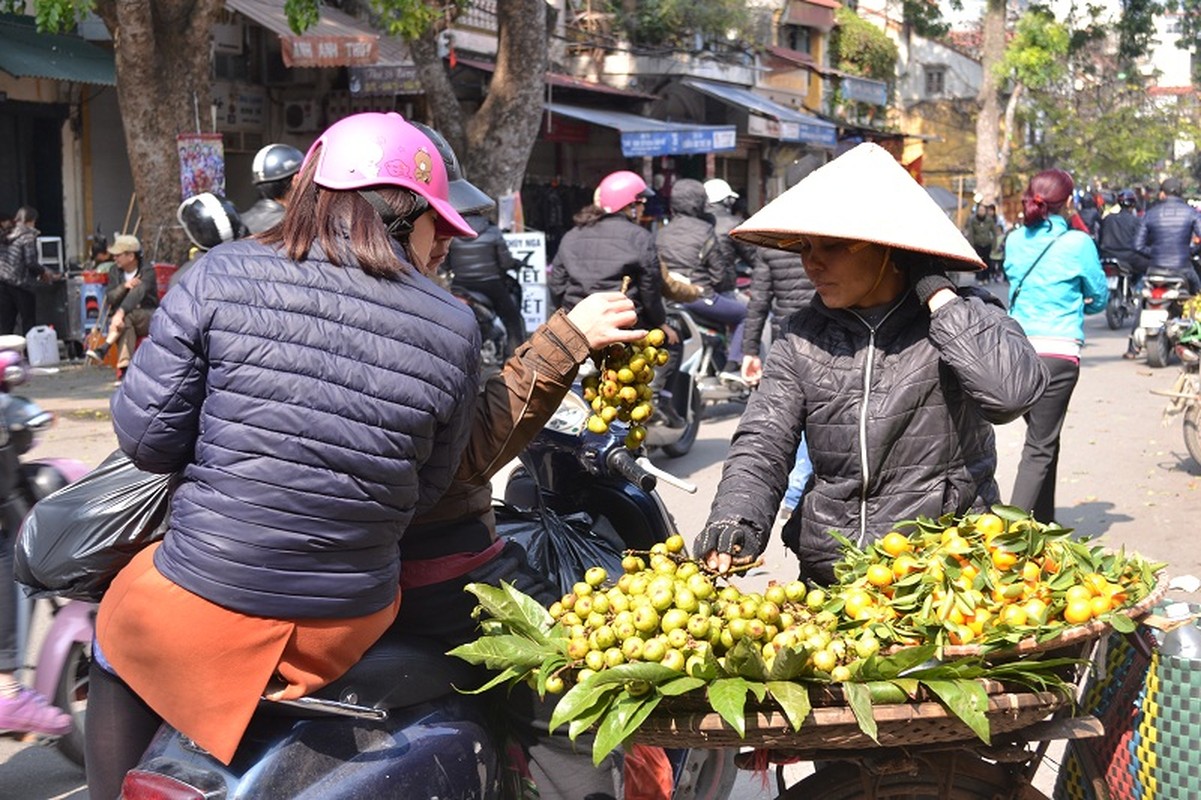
point(1124, 477)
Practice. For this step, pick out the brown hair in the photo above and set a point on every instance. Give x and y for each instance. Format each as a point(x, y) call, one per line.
point(1046, 195)
point(343, 223)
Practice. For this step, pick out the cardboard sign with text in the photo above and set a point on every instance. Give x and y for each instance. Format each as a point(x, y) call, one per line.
point(529, 249)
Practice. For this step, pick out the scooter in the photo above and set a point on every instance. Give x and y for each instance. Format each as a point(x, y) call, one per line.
point(394, 726)
point(1159, 326)
point(62, 664)
point(1123, 302)
point(1185, 394)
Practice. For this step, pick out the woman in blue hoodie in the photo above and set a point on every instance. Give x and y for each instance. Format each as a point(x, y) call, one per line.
point(1055, 278)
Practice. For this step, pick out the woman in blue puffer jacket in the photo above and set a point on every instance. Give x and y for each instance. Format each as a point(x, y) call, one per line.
point(1055, 278)
point(314, 391)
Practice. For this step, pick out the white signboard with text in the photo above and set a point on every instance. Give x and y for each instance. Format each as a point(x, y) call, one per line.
point(530, 251)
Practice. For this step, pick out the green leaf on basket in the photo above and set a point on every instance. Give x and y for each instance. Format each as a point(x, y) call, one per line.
point(587, 718)
point(793, 699)
point(746, 659)
point(680, 685)
point(790, 662)
point(648, 671)
point(1122, 623)
point(506, 675)
point(622, 719)
point(859, 698)
point(579, 699)
point(519, 611)
point(888, 692)
point(967, 700)
point(898, 663)
point(727, 696)
point(504, 651)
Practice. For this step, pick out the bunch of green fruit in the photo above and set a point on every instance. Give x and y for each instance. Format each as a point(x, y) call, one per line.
point(621, 390)
point(665, 609)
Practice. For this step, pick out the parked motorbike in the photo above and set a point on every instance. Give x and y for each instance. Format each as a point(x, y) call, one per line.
point(1160, 326)
point(1123, 301)
point(394, 726)
point(61, 667)
point(493, 336)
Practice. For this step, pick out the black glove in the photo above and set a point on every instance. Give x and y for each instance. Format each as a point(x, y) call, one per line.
point(728, 536)
point(928, 279)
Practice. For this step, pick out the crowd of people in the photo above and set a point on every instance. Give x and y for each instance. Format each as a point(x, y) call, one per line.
point(331, 403)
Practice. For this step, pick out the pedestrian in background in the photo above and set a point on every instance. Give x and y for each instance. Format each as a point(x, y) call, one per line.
point(132, 296)
point(1055, 278)
point(20, 271)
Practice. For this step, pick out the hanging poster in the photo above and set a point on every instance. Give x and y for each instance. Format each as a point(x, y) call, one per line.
point(201, 164)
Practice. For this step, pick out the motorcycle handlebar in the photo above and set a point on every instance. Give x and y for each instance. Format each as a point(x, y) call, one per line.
point(620, 461)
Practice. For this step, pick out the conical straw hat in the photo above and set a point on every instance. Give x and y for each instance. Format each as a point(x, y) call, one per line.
point(865, 195)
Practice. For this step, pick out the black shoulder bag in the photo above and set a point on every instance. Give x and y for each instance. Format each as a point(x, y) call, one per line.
point(1018, 289)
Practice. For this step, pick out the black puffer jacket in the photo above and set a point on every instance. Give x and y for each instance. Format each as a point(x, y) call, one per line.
point(1119, 232)
point(725, 221)
point(780, 285)
point(313, 411)
point(595, 255)
point(484, 258)
point(1167, 234)
point(898, 420)
point(688, 243)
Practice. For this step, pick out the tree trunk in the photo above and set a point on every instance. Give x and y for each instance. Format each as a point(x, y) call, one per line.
point(988, 124)
point(164, 72)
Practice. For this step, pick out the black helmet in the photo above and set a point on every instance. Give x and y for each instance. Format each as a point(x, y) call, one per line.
point(275, 162)
point(1127, 198)
point(465, 196)
point(209, 220)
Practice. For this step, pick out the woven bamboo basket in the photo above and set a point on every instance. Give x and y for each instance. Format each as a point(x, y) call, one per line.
point(681, 722)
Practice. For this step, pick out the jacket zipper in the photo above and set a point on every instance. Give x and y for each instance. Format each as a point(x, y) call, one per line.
point(864, 469)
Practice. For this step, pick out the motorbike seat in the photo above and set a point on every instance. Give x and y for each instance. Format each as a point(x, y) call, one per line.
point(396, 672)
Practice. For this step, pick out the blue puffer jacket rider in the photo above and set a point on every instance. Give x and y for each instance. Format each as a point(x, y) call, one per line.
point(1167, 233)
point(1067, 282)
point(301, 386)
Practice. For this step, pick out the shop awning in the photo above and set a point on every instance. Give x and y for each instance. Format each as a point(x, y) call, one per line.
point(26, 53)
point(643, 136)
point(337, 40)
point(770, 119)
point(560, 81)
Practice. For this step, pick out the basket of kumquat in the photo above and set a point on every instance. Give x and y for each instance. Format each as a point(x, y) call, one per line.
point(992, 584)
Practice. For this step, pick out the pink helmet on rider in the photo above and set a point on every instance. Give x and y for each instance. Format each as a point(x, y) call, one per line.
point(375, 149)
point(618, 189)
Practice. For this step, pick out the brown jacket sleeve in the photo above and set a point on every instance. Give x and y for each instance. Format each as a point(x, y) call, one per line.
point(515, 404)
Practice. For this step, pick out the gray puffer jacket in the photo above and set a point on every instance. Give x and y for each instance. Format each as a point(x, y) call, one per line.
point(898, 420)
point(19, 258)
point(313, 410)
point(688, 243)
point(780, 285)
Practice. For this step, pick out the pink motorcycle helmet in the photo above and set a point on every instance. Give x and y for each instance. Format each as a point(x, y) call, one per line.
point(618, 189)
point(377, 149)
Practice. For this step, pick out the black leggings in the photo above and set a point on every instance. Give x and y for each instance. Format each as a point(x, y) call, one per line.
point(120, 727)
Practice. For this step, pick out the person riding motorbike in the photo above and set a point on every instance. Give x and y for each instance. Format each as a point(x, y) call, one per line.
point(1169, 229)
point(209, 220)
point(272, 172)
point(721, 198)
point(1119, 233)
point(689, 245)
point(314, 391)
point(605, 246)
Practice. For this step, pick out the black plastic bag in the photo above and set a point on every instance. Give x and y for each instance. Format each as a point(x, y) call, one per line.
point(560, 547)
point(74, 542)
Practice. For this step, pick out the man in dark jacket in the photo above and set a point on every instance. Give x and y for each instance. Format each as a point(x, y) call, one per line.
point(132, 296)
point(272, 171)
point(1120, 231)
point(688, 244)
point(1166, 236)
point(481, 265)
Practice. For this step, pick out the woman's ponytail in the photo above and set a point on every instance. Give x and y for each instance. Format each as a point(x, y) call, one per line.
point(1046, 194)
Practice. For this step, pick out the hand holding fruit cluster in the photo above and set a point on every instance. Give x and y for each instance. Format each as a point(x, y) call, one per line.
point(621, 390)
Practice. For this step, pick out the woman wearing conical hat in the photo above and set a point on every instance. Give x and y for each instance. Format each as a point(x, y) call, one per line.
point(895, 376)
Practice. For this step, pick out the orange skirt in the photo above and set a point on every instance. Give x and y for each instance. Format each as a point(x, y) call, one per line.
point(203, 668)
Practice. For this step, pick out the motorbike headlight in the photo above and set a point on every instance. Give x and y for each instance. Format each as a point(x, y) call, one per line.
point(571, 416)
